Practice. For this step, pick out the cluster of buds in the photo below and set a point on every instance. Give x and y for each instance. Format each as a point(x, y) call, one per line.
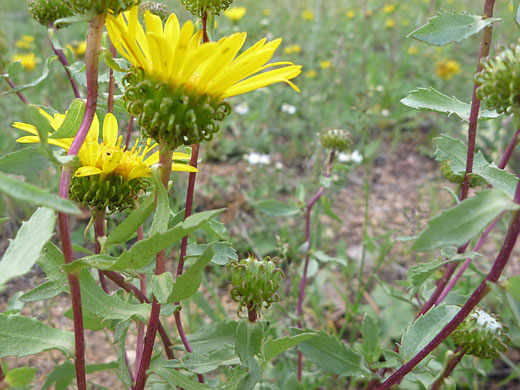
point(159, 9)
point(482, 335)
point(109, 192)
point(335, 139)
point(101, 6)
point(172, 115)
point(48, 11)
point(458, 178)
point(255, 283)
point(499, 80)
point(199, 7)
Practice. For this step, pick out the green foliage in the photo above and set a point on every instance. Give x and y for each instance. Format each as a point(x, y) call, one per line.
point(278, 209)
point(23, 162)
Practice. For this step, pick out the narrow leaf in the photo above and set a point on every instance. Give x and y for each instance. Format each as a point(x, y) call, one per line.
point(162, 286)
point(278, 209)
point(249, 340)
point(273, 348)
point(72, 122)
point(162, 210)
point(44, 291)
point(370, 340)
point(36, 82)
point(176, 379)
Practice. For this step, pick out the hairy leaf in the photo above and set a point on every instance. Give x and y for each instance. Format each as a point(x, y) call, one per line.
point(23, 162)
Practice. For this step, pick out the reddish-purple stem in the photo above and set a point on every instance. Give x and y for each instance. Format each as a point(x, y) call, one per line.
point(2, 375)
point(92, 57)
point(99, 231)
point(129, 131)
point(140, 325)
point(450, 366)
point(19, 94)
point(509, 150)
point(492, 277)
point(303, 281)
point(63, 59)
point(111, 84)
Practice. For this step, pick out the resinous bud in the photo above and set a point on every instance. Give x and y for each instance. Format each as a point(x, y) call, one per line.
point(335, 139)
point(199, 7)
point(48, 11)
point(159, 9)
point(101, 6)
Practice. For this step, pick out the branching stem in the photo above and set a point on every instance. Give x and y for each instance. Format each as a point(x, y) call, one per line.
point(63, 60)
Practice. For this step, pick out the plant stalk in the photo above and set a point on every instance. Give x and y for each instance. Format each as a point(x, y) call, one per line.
point(99, 231)
point(111, 84)
point(454, 361)
point(63, 60)
point(19, 94)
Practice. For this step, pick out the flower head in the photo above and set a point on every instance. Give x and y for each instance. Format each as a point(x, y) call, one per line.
point(307, 14)
point(235, 13)
point(48, 11)
point(325, 64)
point(389, 8)
point(26, 42)
point(447, 69)
point(28, 60)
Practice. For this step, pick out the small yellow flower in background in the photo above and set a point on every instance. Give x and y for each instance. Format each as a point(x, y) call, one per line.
point(511, 7)
point(292, 49)
point(235, 13)
point(27, 60)
point(81, 48)
point(109, 156)
point(389, 8)
point(390, 23)
point(267, 11)
point(26, 42)
point(405, 22)
point(413, 50)
point(447, 68)
point(369, 12)
point(351, 14)
point(311, 74)
point(307, 14)
point(325, 64)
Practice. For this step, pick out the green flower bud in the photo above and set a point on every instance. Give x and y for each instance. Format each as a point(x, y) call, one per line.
point(458, 178)
point(335, 139)
point(159, 9)
point(255, 283)
point(499, 80)
point(110, 192)
point(482, 335)
point(197, 7)
point(172, 115)
point(48, 11)
point(101, 6)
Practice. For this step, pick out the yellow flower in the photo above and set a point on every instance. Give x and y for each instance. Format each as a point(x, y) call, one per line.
point(292, 49)
point(390, 23)
point(311, 74)
point(307, 14)
point(28, 60)
point(267, 11)
point(235, 13)
point(351, 14)
point(389, 8)
point(81, 48)
point(369, 12)
point(27, 42)
point(107, 157)
point(413, 50)
point(325, 64)
point(511, 7)
point(176, 56)
point(405, 22)
point(446, 69)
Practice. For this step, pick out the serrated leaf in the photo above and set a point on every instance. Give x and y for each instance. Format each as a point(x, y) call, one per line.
point(370, 340)
point(278, 209)
point(211, 337)
point(72, 121)
point(27, 192)
point(498, 178)
point(465, 221)
point(424, 329)
point(23, 162)
point(21, 376)
point(202, 364)
point(188, 283)
point(21, 336)
point(24, 250)
point(447, 27)
point(224, 252)
point(162, 286)
point(35, 83)
point(331, 355)
point(428, 99)
point(44, 291)
point(273, 348)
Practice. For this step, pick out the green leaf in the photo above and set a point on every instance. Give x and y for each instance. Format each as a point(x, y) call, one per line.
point(27, 192)
point(448, 27)
point(327, 209)
point(277, 209)
point(14, 304)
point(13, 69)
point(44, 128)
point(424, 329)
point(24, 250)
point(46, 290)
point(21, 376)
point(513, 286)
point(129, 226)
point(162, 210)
point(176, 379)
point(63, 375)
point(273, 348)
point(325, 258)
point(120, 338)
point(202, 364)
point(224, 252)
point(72, 122)
point(498, 178)
point(162, 286)
point(370, 340)
point(81, 18)
point(196, 221)
point(211, 337)
point(428, 99)
point(36, 82)
point(465, 221)
point(330, 354)
point(248, 340)
point(51, 261)
point(188, 283)
point(23, 162)
point(21, 336)
point(516, 11)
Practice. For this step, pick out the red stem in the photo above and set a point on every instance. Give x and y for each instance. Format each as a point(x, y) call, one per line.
point(454, 361)
point(20, 94)
point(140, 326)
point(99, 231)
point(2, 375)
point(63, 59)
point(129, 131)
point(492, 277)
point(303, 281)
point(111, 84)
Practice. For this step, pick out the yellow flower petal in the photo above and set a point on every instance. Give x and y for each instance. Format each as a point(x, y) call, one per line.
point(111, 160)
point(110, 130)
point(183, 168)
point(87, 171)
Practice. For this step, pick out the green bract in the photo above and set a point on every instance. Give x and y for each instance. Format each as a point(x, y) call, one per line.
point(499, 80)
point(458, 178)
point(159, 9)
point(335, 139)
point(110, 192)
point(482, 335)
point(198, 7)
point(101, 6)
point(169, 115)
point(47, 11)
point(255, 282)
